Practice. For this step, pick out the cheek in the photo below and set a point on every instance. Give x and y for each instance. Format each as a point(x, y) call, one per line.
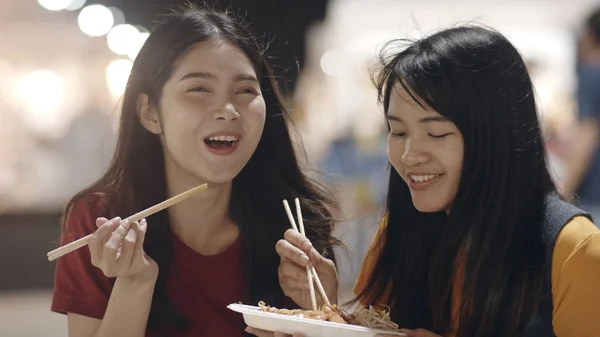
point(453, 162)
point(395, 150)
point(459, 152)
point(255, 115)
point(175, 108)
point(192, 106)
point(179, 125)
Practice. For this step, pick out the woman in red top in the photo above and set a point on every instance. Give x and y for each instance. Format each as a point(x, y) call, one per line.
point(201, 106)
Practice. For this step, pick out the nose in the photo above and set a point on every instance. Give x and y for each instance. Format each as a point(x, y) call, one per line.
point(225, 111)
point(413, 154)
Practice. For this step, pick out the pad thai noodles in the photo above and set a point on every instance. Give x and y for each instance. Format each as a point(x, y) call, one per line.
point(366, 317)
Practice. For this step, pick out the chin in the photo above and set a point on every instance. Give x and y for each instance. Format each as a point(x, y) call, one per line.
point(220, 177)
point(428, 206)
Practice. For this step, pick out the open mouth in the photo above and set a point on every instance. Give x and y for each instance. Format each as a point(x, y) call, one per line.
point(220, 142)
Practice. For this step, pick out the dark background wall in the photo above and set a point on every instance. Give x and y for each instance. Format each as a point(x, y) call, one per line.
point(284, 20)
point(32, 235)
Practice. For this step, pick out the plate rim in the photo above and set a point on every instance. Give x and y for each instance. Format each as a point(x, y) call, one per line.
point(254, 310)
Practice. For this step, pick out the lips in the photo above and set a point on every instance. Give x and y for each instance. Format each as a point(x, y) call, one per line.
point(422, 177)
point(222, 143)
point(422, 180)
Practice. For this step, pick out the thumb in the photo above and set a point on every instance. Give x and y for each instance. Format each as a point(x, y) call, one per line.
point(318, 261)
point(418, 333)
point(148, 258)
point(410, 333)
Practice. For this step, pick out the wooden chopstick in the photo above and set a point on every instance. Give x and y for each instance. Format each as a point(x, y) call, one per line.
point(309, 267)
point(52, 255)
point(314, 271)
point(311, 286)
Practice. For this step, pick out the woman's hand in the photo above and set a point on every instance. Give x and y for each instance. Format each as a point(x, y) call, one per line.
point(117, 248)
point(413, 333)
point(295, 252)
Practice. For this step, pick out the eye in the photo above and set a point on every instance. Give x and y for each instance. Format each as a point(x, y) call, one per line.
point(248, 91)
point(440, 136)
point(198, 89)
point(398, 134)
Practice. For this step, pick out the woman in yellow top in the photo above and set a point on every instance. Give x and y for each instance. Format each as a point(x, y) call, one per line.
point(475, 241)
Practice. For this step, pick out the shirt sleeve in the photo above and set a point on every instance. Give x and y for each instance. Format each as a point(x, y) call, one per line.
point(576, 280)
point(370, 260)
point(79, 287)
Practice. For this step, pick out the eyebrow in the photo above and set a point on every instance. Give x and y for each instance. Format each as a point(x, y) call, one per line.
point(439, 119)
point(210, 76)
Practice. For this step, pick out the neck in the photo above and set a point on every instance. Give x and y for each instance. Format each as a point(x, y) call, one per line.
point(201, 221)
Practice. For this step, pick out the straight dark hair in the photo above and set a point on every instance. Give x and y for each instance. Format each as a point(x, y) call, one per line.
point(475, 78)
point(135, 179)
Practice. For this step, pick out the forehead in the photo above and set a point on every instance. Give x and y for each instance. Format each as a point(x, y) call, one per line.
point(402, 104)
point(214, 56)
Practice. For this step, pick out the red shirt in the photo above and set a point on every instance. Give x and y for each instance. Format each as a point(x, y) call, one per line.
point(200, 287)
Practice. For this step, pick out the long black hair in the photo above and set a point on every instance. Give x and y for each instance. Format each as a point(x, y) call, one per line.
point(475, 78)
point(271, 175)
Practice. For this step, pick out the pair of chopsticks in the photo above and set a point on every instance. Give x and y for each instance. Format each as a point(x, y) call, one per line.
point(66, 249)
point(310, 269)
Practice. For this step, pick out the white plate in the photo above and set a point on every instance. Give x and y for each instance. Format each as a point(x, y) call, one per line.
point(309, 327)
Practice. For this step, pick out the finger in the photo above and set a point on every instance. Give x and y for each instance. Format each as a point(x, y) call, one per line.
point(300, 244)
point(114, 242)
point(138, 255)
point(289, 269)
point(259, 333)
point(288, 251)
point(418, 333)
point(320, 263)
point(126, 255)
point(425, 333)
point(294, 284)
point(101, 221)
point(298, 240)
point(107, 227)
point(280, 334)
point(293, 288)
point(99, 237)
point(409, 333)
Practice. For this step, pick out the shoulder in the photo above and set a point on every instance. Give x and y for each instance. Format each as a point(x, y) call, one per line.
point(81, 214)
point(579, 239)
point(576, 252)
point(575, 279)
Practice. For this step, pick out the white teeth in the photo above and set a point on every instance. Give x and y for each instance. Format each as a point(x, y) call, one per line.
point(224, 138)
point(423, 178)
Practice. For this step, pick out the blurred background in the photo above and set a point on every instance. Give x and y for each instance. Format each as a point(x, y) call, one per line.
point(64, 65)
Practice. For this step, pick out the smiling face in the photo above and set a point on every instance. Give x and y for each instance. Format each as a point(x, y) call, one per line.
point(211, 114)
point(426, 150)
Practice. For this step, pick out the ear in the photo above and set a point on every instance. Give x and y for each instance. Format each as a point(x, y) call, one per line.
point(147, 115)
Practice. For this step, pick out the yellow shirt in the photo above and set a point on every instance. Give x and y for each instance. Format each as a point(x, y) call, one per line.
point(575, 277)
